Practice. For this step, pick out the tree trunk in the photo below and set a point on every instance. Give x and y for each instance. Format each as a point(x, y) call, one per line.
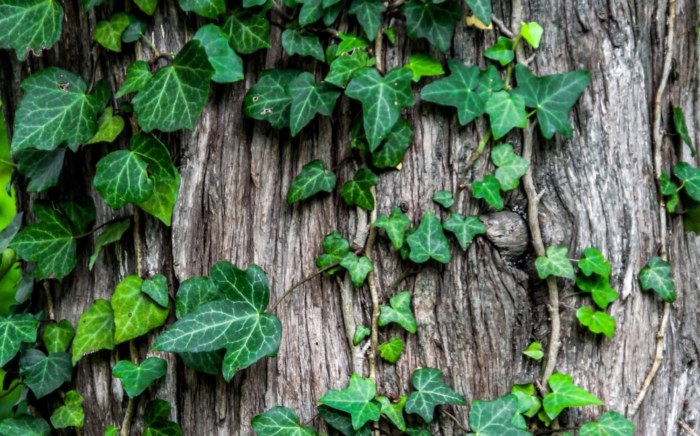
point(475, 315)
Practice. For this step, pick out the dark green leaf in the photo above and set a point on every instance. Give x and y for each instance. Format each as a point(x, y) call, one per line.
point(555, 263)
point(395, 226)
point(81, 214)
point(391, 350)
point(369, 14)
point(510, 166)
point(157, 288)
point(155, 419)
point(14, 330)
point(44, 374)
point(313, 178)
point(228, 66)
point(294, 42)
point(429, 241)
point(137, 75)
point(361, 332)
point(690, 176)
point(596, 321)
point(164, 174)
point(247, 32)
point(342, 422)
point(135, 30)
point(134, 313)
point(357, 400)
point(24, 425)
point(482, 10)
point(430, 392)
point(434, 22)
point(71, 414)
point(682, 128)
point(495, 418)
point(444, 199)
point(593, 261)
point(335, 248)
point(111, 234)
point(458, 90)
point(95, 330)
point(147, 6)
point(204, 8)
point(268, 100)
point(489, 189)
point(122, 177)
point(610, 423)
point(657, 275)
point(534, 351)
point(398, 141)
point(280, 421)
point(309, 98)
point(29, 25)
point(399, 311)
point(565, 394)
point(358, 267)
point(347, 66)
point(502, 51)
point(137, 378)
point(58, 336)
point(393, 411)
point(422, 65)
point(506, 110)
point(489, 82)
point(41, 167)
point(358, 192)
point(195, 292)
point(464, 229)
point(109, 33)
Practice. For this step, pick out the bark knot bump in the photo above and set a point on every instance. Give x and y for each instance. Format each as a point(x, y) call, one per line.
point(508, 232)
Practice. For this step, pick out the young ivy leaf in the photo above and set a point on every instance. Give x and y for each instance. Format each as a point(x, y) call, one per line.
point(529, 402)
point(482, 10)
point(25, 425)
point(593, 261)
point(599, 286)
point(534, 351)
point(502, 51)
point(14, 330)
point(393, 411)
point(350, 43)
point(95, 330)
point(358, 267)
point(444, 199)
point(395, 226)
point(682, 129)
point(111, 234)
point(30, 25)
point(391, 350)
point(157, 288)
point(458, 90)
point(657, 275)
point(422, 65)
point(369, 15)
point(430, 392)
point(280, 421)
point(109, 33)
point(137, 75)
point(495, 418)
point(268, 99)
point(247, 31)
point(228, 66)
point(382, 99)
point(58, 336)
point(357, 400)
point(313, 178)
point(565, 394)
point(433, 21)
point(357, 192)
point(109, 127)
point(532, 33)
point(464, 229)
point(346, 66)
point(137, 378)
point(510, 166)
point(309, 98)
point(489, 189)
point(71, 414)
point(690, 176)
point(669, 189)
point(610, 423)
point(134, 313)
point(555, 263)
point(294, 43)
point(204, 8)
point(399, 312)
point(398, 141)
point(335, 248)
point(596, 321)
point(44, 374)
point(428, 241)
point(361, 332)
point(506, 110)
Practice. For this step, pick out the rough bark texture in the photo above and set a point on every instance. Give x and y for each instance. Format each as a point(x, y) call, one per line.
point(476, 314)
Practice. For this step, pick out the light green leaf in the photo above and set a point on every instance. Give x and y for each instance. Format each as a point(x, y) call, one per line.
point(432, 21)
point(506, 110)
point(596, 321)
point(369, 14)
point(532, 33)
point(247, 32)
point(429, 241)
point(534, 351)
point(109, 127)
point(347, 66)
point(134, 313)
point(464, 228)
point(147, 6)
point(157, 288)
point(29, 25)
point(422, 65)
point(44, 374)
point(350, 43)
point(95, 330)
point(111, 234)
point(482, 10)
point(502, 51)
point(393, 411)
point(382, 99)
point(690, 176)
point(529, 402)
point(444, 199)
point(313, 178)
point(137, 378)
point(398, 141)
point(599, 287)
point(593, 261)
point(510, 166)
point(391, 350)
point(555, 263)
point(489, 189)
point(175, 96)
point(430, 392)
point(357, 400)
point(657, 275)
point(71, 414)
point(294, 42)
point(41, 167)
point(122, 177)
point(228, 66)
point(395, 226)
point(565, 394)
point(399, 311)
point(14, 330)
point(682, 128)
point(309, 98)
point(204, 8)
point(414, 431)
point(358, 267)
point(458, 90)
point(361, 332)
point(358, 192)
point(109, 33)
point(280, 421)
point(137, 75)
point(268, 99)
point(335, 248)
point(669, 189)
point(58, 336)
point(495, 418)
point(24, 425)
point(610, 423)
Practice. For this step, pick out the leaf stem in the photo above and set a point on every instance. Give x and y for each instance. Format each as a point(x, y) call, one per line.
point(475, 156)
point(94, 229)
point(461, 426)
point(304, 280)
point(7, 162)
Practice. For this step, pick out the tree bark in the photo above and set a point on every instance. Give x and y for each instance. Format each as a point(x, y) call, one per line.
point(475, 315)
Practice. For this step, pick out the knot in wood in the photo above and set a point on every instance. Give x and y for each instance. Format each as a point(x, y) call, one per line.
point(508, 232)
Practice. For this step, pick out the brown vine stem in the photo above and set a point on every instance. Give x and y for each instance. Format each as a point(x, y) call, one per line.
point(374, 295)
point(296, 286)
point(456, 421)
point(686, 428)
point(658, 167)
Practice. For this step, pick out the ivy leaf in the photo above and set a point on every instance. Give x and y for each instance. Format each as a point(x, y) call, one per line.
point(247, 32)
point(553, 96)
point(347, 66)
point(610, 423)
point(134, 313)
point(682, 129)
point(422, 65)
point(204, 8)
point(565, 394)
point(313, 178)
point(510, 166)
point(358, 267)
point(41, 167)
point(157, 288)
point(137, 378)
point(369, 14)
point(25, 425)
point(429, 241)
point(56, 109)
point(393, 411)
point(532, 33)
point(596, 321)
point(495, 418)
point(14, 330)
point(444, 199)
point(155, 419)
point(529, 402)
point(49, 243)
point(357, 192)
point(342, 422)
point(122, 177)
point(599, 287)
point(58, 336)
point(81, 214)
point(458, 90)
point(464, 228)
point(310, 12)
point(30, 25)
point(280, 421)
point(268, 99)
point(382, 99)
point(502, 51)
point(534, 351)
point(308, 99)
point(137, 75)
point(593, 261)
point(294, 42)
point(361, 332)
point(506, 110)
point(357, 400)
point(398, 141)
point(135, 31)
point(71, 414)
point(391, 350)
point(489, 189)
point(434, 22)
point(109, 33)
point(147, 6)
point(399, 311)
point(44, 374)
point(228, 66)
point(111, 234)
point(669, 189)
point(690, 176)
point(657, 275)
point(482, 10)
point(555, 263)
point(95, 330)
point(335, 248)
point(414, 431)
point(349, 43)
point(430, 392)
point(395, 225)
point(109, 127)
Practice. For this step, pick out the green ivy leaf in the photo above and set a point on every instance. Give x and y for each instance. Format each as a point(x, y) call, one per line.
point(56, 109)
point(398, 141)
point(29, 25)
point(155, 419)
point(670, 189)
point(14, 330)
point(534, 351)
point(71, 414)
point(369, 15)
point(690, 176)
point(346, 66)
point(358, 192)
point(382, 99)
point(395, 226)
point(399, 311)
point(413, 431)
point(506, 110)
point(147, 6)
point(313, 178)
point(495, 418)
point(247, 32)
point(111, 234)
point(489, 189)
point(555, 263)
point(342, 422)
point(135, 31)
point(529, 402)
point(44, 374)
point(361, 332)
point(25, 425)
point(596, 321)
point(682, 128)
point(228, 66)
point(464, 228)
point(532, 33)
point(58, 336)
point(430, 392)
point(610, 423)
point(294, 42)
point(565, 394)
point(502, 51)
point(157, 288)
point(553, 96)
point(49, 243)
point(280, 421)
point(137, 378)
point(357, 400)
point(422, 65)
point(391, 350)
point(393, 411)
point(444, 199)
point(489, 82)
point(429, 241)
point(165, 176)
point(308, 99)
point(81, 214)
point(268, 99)
point(350, 43)
point(432, 21)
point(134, 313)
point(41, 167)
point(204, 8)
point(657, 275)
point(310, 12)
point(599, 287)
point(109, 127)
point(95, 330)
point(122, 177)
point(335, 248)
point(137, 75)
point(358, 267)
point(458, 90)
point(109, 33)
point(175, 96)
point(510, 166)
point(482, 10)
point(593, 261)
